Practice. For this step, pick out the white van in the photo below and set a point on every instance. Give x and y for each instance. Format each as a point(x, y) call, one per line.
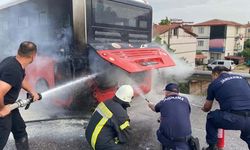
point(229, 64)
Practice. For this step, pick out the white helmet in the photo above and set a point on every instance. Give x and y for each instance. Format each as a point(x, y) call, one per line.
point(125, 93)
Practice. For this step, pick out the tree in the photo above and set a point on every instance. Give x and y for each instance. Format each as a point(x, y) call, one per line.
point(246, 52)
point(158, 39)
point(247, 44)
point(165, 21)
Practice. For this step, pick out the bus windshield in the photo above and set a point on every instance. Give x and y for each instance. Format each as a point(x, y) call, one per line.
point(120, 14)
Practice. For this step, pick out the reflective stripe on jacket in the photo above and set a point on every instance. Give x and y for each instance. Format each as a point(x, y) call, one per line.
point(109, 122)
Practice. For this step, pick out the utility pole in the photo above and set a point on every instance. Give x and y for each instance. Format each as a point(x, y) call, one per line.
point(169, 35)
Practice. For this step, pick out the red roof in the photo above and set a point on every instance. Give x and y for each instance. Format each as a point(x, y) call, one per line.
point(247, 25)
point(160, 29)
point(188, 27)
point(217, 22)
point(234, 57)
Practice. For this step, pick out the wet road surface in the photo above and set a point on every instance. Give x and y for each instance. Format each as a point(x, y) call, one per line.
point(68, 134)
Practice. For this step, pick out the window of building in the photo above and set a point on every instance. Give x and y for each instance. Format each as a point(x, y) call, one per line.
point(23, 21)
point(201, 30)
point(237, 30)
point(176, 32)
point(215, 56)
point(4, 26)
point(43, 18)
point(248, 30)
point(200, 43)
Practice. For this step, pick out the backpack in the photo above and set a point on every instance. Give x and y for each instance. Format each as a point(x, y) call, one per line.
point(194, 143)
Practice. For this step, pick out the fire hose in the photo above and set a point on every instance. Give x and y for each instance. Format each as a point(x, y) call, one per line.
point(24, 102)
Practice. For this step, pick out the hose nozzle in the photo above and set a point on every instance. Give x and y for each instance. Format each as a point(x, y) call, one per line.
point(30, 97)
point(146, 100)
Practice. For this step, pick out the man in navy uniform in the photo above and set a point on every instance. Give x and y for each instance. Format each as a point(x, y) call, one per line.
point(175, 127)
point(233, 94)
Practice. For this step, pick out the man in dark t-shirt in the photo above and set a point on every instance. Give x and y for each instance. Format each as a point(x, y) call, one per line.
point(233, 94)
point(175, 125)
point(12, 75)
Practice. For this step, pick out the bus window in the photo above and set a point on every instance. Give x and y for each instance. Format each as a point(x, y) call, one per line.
point(119, 14)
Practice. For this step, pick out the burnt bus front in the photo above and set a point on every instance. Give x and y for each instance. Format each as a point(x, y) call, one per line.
point(119, 37)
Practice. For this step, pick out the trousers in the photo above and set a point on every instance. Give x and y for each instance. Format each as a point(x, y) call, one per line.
point(12, 123)
point(228, 121)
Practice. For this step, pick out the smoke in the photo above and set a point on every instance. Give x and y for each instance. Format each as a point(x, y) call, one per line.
point(47, 24)
point(34, 21)
point(178, 73)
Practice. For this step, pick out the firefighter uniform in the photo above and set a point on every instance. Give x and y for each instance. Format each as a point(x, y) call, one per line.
point(233, 94)
point(108, 128)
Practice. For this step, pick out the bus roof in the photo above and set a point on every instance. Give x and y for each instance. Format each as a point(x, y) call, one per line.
point(10, 3)
point(142, 1)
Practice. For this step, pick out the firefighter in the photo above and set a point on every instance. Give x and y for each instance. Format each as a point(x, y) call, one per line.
point(12, 73)
point(175, 126)
point(108, 128)
point(233, 94)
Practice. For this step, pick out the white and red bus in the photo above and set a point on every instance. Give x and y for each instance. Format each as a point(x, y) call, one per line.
point(78, 37)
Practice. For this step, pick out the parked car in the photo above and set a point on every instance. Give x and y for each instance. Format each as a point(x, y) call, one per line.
point(229, 64)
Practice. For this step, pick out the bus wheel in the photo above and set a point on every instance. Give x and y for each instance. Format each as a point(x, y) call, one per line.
point(42, 85)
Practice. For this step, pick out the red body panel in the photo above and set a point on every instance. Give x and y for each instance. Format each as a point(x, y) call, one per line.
point(103, 95)
point(145, 87)
point(41, 68)
point(137, 60)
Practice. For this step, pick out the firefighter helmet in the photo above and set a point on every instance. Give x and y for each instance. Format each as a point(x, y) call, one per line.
point(125, 93)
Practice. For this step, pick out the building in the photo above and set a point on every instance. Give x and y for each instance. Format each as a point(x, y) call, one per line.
point(218, 38)
point(247, 35)
point(180, 40)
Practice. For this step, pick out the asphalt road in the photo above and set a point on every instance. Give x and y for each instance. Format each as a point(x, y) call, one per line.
point(68, 133)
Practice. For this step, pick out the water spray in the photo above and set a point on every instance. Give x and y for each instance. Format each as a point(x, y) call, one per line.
point(26, 102)
point(84, 79)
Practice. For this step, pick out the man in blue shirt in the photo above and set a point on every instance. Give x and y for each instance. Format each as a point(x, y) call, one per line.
point(175, 126)
point(233, 94)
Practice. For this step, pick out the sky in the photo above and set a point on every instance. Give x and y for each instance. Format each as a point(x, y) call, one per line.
point(201, 10)
point(197, 10)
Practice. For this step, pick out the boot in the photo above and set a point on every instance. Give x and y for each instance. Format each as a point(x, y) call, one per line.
point(210, 147)
point(22, 143)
